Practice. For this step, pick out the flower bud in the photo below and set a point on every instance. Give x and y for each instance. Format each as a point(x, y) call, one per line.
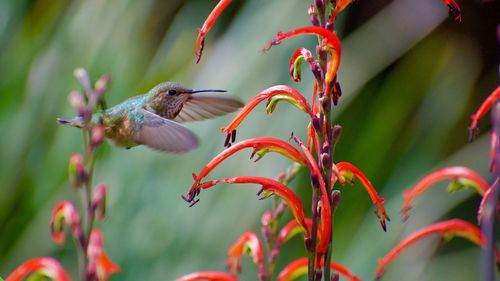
point(335, 198)
point(97, 136)
point(78, 175)
point(83, 76)
point(99, 201)
point(313, 16)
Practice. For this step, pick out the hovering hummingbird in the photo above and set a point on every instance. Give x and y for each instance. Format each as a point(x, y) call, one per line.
point(153, 118)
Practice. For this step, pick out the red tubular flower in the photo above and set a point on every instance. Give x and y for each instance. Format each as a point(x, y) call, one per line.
point(447, 229)
point(207, 276)
point(207, 25)
point(341, 4)
point(273, 95)
point(298, 268)
point(348, 171)
point(247, 243)
point(260, 146)
point(64, 213)
point(99, 263)
point(44, 266)
point(300, 55)
point(326, 214)
point(485, 107)
point(462, 175)
point(273, 186)
point(487, 195)
point(454, 9)
point(331, 42)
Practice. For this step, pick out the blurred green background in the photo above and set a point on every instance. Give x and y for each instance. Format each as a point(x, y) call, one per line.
point(411, 77)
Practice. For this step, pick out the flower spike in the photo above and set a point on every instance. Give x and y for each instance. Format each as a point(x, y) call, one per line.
point(462, 177)
point(331, 42)
point(260, 147)
point(348, 171)
point(273, 95)
point(272, 186)
point(448, 229)
point(207, 25)
point(326, 214)
point(298, 268)
point(247, 243)
point(207, 276)
point(45, 266)
point(65, 213)
point(485, 107)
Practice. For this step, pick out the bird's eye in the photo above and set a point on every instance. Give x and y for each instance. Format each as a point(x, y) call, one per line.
point(171, 92)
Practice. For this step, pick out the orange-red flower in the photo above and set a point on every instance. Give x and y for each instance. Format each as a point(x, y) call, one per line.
point(330, 41)
point(207, 276)
point(291, 229)
point(272, 186)
point(64, 213)
point(260, 147)
point(454, 9)
point(462, 175)
point(448, 229)
point(298, 268)
point(99, 263)
point(207, 25)
point(44, 266)
point(348, 171)
point(485, 107)
point(273, 95)
point(247, 243)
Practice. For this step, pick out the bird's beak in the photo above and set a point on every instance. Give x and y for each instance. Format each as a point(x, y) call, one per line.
point(206, 91)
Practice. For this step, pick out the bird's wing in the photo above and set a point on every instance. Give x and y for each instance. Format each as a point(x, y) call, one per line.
point(163, 134)
point(200, 107)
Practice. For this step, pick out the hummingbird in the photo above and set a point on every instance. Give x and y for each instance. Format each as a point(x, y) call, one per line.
point(153, 119)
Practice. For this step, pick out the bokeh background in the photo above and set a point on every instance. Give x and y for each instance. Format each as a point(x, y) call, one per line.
point(411, 77)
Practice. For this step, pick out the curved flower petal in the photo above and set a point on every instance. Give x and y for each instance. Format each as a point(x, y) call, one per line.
point(291, 229)
point(485, 107)
point(448, 229)
point(207, 25)
point(341, 5)
point(292, 96)
point(247, 243)
point(45, 266)
point(260, 146)
point(207, 276)
point(326, 214)
point(300, 55)
point(298, 268)
point(64, 213)
point(487, 195)
point(454, 10)
point(99, 263)
point(348, 171)
point(463, 176)
point(273, 186)
point(331, 41)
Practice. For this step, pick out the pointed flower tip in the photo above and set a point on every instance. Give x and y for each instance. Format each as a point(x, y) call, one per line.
point(44, 266)
point(450, 228)
point(207, 25)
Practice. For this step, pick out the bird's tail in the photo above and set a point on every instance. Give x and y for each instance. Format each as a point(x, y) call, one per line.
point(75, 121)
